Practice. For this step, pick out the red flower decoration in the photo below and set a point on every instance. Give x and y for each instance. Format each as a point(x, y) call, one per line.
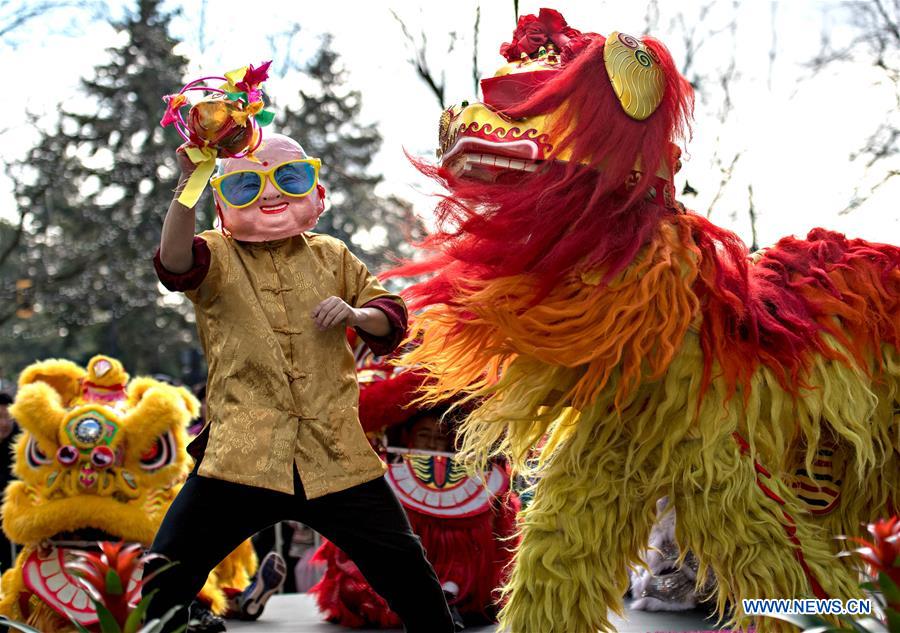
point(883, 553)
point(534, 31)
point(173, 103)
point(252, 78)
point(106, 577)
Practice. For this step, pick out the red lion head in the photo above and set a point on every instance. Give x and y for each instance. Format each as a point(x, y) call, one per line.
point(576, 131)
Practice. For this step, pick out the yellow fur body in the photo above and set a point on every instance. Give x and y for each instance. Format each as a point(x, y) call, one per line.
point(606, 381)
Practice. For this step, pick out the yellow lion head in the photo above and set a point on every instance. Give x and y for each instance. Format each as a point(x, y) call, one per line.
point(98, 455)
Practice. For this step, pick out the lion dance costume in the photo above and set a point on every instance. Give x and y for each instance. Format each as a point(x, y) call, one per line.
point(582, 308)
point(99, 458)
point(467, 524)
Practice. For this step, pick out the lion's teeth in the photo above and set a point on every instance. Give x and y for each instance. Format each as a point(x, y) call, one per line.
point(55, 582)
point(67, 593)
point(50, 567)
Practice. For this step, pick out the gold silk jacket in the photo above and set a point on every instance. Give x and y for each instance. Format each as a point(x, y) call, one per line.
point(280, 392)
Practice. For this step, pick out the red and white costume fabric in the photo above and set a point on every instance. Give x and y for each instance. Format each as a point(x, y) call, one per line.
point(467, 528)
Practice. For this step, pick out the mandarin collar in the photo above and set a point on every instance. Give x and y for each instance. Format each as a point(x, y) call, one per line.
point(271, 244)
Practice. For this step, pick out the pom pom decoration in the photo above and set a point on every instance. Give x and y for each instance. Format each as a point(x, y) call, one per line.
point(226, 123)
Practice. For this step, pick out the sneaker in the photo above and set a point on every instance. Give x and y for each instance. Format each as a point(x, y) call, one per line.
point(202, 620)
point(269, 580)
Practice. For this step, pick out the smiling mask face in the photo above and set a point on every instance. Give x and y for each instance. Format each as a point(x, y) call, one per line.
point(274, 215)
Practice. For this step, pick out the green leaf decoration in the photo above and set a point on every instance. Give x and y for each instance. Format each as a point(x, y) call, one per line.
point(156, 626)
point(108, 622)
point(156, 572)
point(888, 588)
point(264, 117)
point(136, 617)
point(236, 96)
point(893, 620)
point(114, 583)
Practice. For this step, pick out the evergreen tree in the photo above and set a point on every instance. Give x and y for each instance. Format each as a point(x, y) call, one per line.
point(327, 125)
point(96, 190)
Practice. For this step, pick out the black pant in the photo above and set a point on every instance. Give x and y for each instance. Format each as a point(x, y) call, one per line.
point(211, 517)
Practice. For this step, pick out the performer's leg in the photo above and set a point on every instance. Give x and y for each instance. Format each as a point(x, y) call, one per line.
point(369, 524)
point(747, 526)
point(207, 520)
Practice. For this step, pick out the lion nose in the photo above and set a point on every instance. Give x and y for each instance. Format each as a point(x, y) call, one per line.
point(102, 457)
point(67, 455)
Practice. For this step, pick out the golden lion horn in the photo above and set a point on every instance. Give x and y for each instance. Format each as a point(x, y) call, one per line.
point(636, 76)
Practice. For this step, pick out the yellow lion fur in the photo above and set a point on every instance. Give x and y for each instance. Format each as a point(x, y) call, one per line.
point(619, 425)
point(602, 470)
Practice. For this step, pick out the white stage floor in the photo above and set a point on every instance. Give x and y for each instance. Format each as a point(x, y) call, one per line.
point(297, 613)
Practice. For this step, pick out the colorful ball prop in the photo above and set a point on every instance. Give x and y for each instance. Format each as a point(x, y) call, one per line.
point(227, 122)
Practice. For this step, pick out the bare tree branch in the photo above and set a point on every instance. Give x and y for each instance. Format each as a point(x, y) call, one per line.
point(651, 16)
point(859, 198)
point(201, 27)
point(16, 14)
point(713, 84)
point(476, 76)
point(890, 21)
point(282, 46)
point(876, 43)
point(727, 173)
point(751, 210)
point(692, 28)
point(419, 60)
point(24, 13)
point(773, 49)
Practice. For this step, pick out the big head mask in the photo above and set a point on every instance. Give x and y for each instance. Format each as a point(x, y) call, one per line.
point(273, 197)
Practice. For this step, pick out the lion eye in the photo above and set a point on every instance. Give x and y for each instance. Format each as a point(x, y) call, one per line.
point(160, 454)
point(35, 456)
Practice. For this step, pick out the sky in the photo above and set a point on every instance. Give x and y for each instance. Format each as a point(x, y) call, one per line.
point(794, 130)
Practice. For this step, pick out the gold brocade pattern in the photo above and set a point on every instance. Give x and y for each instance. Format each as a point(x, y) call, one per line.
point(279, 391)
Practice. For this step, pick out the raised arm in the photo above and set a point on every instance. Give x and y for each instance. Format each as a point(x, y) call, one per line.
point(175, 250)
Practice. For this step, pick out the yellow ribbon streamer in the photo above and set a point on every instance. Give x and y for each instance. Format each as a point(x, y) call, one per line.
point(205, 159)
